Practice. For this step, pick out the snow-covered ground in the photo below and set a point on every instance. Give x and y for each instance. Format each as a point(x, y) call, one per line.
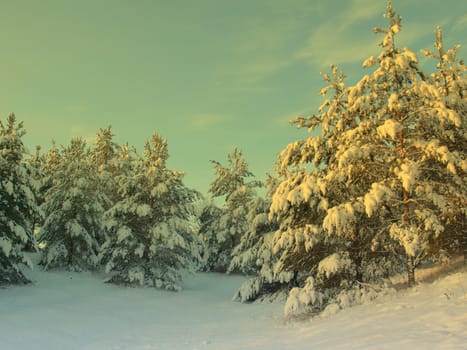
point(64, 310)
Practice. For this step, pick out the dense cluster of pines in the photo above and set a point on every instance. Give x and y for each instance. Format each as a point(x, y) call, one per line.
point(378, 186)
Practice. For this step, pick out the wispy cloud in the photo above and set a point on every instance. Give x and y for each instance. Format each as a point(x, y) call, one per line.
point(413, 31)
point(363, 10)
point(256, 71)
point(265, 45)
point(207, 120)
point(349, 38)
point(460, 24)
point(339, 41)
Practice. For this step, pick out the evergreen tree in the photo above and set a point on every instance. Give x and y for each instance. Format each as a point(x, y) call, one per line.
point(379, 180)
point(253, 256)
point(209, 224)
point(47, 166)
point(102, 156)
point(104, 150)
point(414, 126)
point(451, 83)
point(324, 231)
point(245, 255)
point(18, 207)
point(36, 166)
point(230, 184)
point(73, 208)
point(151, 230)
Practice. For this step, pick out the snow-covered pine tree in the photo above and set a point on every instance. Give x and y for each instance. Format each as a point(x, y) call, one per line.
point(246, 256)
point(102, 156)
point(209, 218)
point(253, 256)
point(451, 82)
point(104, 149)
point(151, 228)
point(230, 184)
point(126, 163)
point(36, 164)
point(374, 184)
point(325, 241)
point(49, 165)
point(18, 207)
point(73, 208)
point(413, 125)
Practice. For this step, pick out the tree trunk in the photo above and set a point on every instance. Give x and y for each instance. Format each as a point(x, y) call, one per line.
point(410, 271)
point(71, 252)
point(406, 211)
point(356, 257)
point(464, 242)
point(358, 263)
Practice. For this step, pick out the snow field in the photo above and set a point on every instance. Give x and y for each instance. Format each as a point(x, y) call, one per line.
point(64, 310)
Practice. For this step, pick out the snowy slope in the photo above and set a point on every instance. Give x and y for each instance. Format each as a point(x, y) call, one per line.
point(65, 310)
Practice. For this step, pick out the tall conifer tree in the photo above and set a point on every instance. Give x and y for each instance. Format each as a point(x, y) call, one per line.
point(18, 207)
point(73, 208)
point(232, 186)
point(151, 231)
point(379, 179)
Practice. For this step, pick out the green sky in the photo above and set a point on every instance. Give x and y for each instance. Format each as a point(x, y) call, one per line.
point(208, 75)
